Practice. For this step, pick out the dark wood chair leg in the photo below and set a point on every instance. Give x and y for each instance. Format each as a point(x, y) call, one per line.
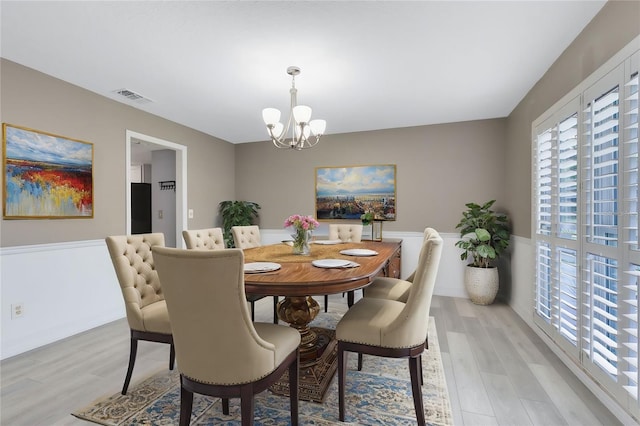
point(172, 357)
point(246, 405)
point(426, 347)
point(275, 309)
point(416, 389)
point(225, 406)
point(132, 361)
point(253, 311)
point(186, 404)
point(294, 370)
point(359, 362)
point(421, 375)
point(342, 377)
point(326, 302)
point(350, 298)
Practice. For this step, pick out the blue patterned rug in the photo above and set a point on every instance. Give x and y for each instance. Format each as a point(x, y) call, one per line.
point(380, 394)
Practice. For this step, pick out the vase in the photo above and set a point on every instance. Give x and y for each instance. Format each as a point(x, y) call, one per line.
point(481, 284)
point(301, 242)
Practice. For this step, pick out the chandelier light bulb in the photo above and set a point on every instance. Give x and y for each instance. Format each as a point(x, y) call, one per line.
point(277, 129)
point(305, 131)
point(270, 116)
point(302, 114)
point(299, 123)
point(318, 127)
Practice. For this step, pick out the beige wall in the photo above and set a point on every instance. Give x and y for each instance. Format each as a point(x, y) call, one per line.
point(439, 169)
point(35, 100)
point(613, 28)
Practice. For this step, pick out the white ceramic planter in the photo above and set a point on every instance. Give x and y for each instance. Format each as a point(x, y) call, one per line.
point(481, 284)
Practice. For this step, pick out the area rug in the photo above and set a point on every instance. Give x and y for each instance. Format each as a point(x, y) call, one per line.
point(380, 394)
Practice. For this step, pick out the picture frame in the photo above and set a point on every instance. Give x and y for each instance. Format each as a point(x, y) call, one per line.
point(347, 192)
point(47, 176)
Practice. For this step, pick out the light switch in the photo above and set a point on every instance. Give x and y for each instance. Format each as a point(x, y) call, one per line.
point(159, 214)
point(190, 213)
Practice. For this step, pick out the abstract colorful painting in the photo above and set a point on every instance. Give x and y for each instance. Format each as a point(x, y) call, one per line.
point(46, 176)
point(348, 192)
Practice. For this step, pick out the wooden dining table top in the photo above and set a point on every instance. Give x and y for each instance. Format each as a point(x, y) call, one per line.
point(298, 277)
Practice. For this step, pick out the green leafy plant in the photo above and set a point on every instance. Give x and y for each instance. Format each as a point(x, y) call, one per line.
point(236, 213)
point(367, 218)
point(485, 234)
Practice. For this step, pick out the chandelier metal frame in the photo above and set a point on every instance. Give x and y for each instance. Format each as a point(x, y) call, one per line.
point(304, 133)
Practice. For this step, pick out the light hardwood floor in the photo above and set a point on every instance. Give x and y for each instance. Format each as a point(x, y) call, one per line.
point(498, 371)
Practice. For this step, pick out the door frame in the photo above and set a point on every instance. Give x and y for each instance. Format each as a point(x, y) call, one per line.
point(181, 180)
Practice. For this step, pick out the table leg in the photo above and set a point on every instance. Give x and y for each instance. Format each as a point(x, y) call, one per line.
point(298, 312)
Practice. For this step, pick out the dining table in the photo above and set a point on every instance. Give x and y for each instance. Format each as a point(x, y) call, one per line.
point(331, 267)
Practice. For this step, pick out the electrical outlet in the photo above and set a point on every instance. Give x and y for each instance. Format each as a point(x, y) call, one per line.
point(17, 310)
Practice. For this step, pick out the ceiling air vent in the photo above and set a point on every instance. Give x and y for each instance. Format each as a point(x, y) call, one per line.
point(132, 96)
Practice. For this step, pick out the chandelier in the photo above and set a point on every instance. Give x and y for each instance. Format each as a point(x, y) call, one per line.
point(304, 133)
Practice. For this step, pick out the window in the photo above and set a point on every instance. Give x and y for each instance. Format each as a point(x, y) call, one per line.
point(585, 227)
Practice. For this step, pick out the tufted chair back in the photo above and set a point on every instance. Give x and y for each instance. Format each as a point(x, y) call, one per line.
point(133, 263)
point(204, 239)
point(245, 237)
point(229, 354)
point(349, 233)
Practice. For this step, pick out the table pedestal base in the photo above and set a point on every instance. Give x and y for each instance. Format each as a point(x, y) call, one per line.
point(298, 312)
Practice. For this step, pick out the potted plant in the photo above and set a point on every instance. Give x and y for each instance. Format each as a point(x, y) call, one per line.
point(236, 213)
point(485, 236)
point(367, 218)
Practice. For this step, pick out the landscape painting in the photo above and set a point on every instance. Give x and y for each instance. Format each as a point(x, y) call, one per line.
point(46, 176)
point(348, 192)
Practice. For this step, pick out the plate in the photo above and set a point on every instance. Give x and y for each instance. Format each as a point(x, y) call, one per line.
point(359, 252)
point(258, 267)
point(327, 242)
point(331, 263)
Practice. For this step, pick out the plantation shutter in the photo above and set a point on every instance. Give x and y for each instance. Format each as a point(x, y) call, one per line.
point(629, 305)
point(585, 224)
point(556, 195)
point(602, 251)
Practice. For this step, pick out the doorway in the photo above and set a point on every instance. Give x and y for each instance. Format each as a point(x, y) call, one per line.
point(152, 144)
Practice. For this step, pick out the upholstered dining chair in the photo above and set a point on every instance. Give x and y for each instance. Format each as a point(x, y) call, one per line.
point(394, 288)
point(204, 239)
point(213, 239)
point(220, 351)
point(246, 236)
point(389, 328)
point(146, 309)
point(389, 288)
point(347, 233)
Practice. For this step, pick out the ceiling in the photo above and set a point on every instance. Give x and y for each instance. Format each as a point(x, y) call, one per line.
point(366, 65)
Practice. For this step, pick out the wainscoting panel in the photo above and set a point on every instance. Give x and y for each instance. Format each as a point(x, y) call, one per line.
point(65, 289)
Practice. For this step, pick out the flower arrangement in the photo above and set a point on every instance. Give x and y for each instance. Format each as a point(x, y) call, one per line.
point(307, 223)
point(303, 225)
